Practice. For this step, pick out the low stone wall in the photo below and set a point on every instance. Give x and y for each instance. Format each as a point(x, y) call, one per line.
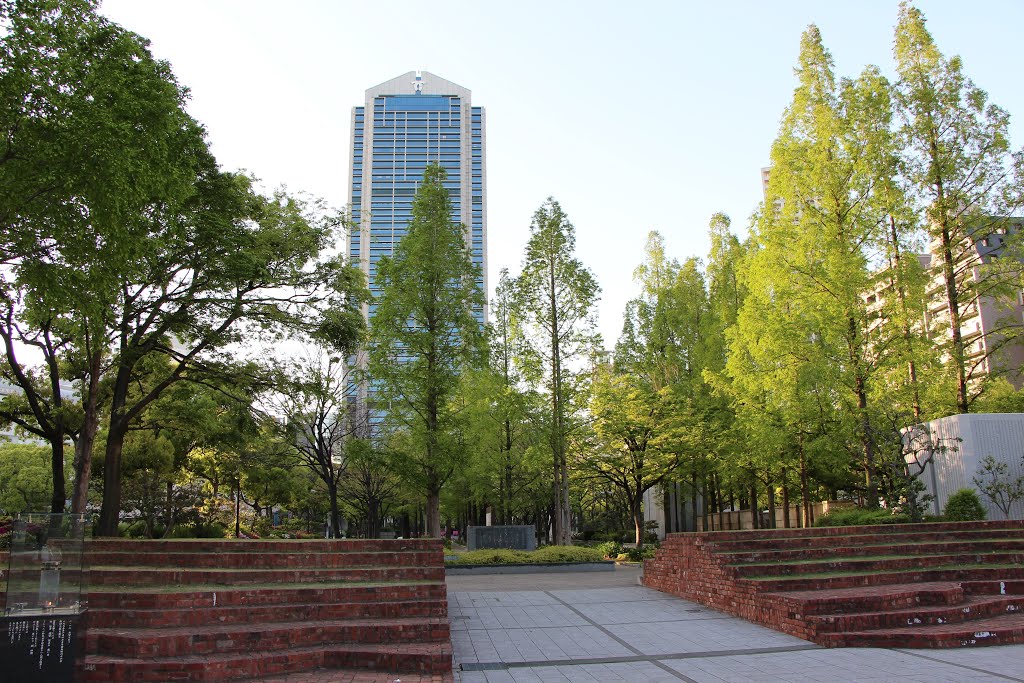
point(509, 536)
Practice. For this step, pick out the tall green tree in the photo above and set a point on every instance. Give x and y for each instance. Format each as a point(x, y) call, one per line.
point(316, 398)
point(95, 133)
point(963, 177)
point(508, 406)
point(229, 265)
point(639, 443)
point(555, 298)
point(807, 318)
point(424, 336)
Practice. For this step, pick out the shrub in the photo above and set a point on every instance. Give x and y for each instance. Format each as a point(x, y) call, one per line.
point(861, 517)
point(199, 530)
point(964, 506)
point(548, 554)
point(6, 532)
point(565, 553)
point(610, 549)
point(641, 554)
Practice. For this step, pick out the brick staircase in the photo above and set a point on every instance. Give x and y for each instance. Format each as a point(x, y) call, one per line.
point(911, 585)
point(202, 610)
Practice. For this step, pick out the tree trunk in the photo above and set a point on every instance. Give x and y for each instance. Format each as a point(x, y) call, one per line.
point(785, 499)
point(897, 283)
point(637, 510)
point(238, 508)
point(110, 510)
point(169, 510)
point(86, 438)
point(433, 523)
point(755, 513)
point(718, 500)
point(805, 492)
point(693, 500)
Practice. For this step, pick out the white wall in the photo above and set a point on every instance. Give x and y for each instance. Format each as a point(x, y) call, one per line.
point(967, 440)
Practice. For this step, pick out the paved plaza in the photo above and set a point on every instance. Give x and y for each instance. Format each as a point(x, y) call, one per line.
point(603, 626)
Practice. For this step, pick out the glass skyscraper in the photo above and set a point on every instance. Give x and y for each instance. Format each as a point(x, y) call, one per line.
point(406, 123)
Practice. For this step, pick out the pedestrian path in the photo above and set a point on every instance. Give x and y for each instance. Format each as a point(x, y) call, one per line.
point(603, 626)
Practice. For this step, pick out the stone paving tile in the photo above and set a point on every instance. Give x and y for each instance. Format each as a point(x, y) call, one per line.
point(645, 611)
point(582, 632)
point(605, 595)
point(532, 616)
point(824, 666)
point(501, 599)
point(623, 672)
point(707, 635)
point(1007, 660)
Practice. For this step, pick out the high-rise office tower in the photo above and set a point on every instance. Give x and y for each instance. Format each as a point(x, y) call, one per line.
point(407, 123)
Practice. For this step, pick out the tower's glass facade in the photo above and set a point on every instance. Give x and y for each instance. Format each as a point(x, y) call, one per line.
point(407, 123)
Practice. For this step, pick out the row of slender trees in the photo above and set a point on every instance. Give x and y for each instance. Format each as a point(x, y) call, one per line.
point(790, 363)
point(135, 270)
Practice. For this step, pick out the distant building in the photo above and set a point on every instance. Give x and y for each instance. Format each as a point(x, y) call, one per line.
point(990, 324)
point(405, 124)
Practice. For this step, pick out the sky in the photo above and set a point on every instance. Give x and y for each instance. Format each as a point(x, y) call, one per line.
point(635, 116)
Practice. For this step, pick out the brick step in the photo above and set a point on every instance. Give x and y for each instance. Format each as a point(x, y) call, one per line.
point(353, 676)
point(268, 560)
point(851, 579)
point(155, 576)
point(873, 598)
point(929, 547)
point(873, 564)
point(199, 546)
point(198, 596)
point(148, 643)
point(858, 536)
point(943, 528)
point(415, 658)
point(1011, 587)
point(1002, 630)
point(298, 612)
point(972, 609)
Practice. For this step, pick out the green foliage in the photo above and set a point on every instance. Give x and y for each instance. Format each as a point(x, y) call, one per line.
point(424, 336)
point(200, 530)
point(963, 178)
point(610, 549)
point(555, 296)
point(964, 506)
point(547, 555)
point(642, 553)
point(25, 478)
point(861, 517)
point(6, 531)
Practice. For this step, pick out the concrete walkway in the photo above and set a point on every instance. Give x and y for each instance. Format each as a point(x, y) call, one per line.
point(603, 626)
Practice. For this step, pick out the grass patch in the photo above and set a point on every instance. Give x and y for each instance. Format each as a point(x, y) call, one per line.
point(995, 539)
point(551, 554)
point(241, 587)
point(865, 572)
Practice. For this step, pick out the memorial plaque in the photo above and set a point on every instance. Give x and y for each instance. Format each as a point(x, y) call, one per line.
point(511, 536)
point(39, 626)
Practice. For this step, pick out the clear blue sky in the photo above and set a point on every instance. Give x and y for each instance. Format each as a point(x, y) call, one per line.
point(635, 116)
